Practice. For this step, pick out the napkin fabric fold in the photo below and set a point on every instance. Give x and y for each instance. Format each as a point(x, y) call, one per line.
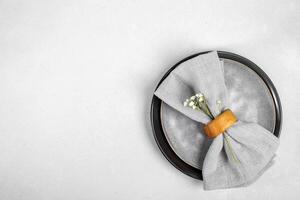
point(253, 145)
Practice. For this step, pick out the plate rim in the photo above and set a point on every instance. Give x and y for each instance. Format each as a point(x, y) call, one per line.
point(155, 110)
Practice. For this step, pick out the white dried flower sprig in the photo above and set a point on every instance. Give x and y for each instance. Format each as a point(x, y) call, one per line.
point(198, 102)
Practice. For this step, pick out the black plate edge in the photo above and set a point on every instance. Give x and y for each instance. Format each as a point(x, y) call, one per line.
point(157, 130)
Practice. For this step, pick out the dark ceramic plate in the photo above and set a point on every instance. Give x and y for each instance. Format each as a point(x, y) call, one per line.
point(182, 141)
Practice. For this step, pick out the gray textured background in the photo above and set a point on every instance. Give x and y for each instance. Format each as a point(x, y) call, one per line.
point(76, 80)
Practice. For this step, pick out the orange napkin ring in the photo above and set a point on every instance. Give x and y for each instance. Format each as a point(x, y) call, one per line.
point(218, 125)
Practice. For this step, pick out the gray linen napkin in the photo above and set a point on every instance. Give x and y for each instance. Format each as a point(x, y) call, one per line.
point(253, 145)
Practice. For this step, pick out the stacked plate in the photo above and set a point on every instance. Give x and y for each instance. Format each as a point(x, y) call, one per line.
point(253, 98)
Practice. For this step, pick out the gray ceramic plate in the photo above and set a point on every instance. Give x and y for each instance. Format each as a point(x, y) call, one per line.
point(253, 98)
point(250, 100)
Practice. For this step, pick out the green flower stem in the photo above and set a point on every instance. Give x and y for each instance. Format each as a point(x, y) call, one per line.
point(235, 158)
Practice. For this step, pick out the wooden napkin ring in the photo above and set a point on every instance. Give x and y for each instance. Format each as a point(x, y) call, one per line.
point(218, 125)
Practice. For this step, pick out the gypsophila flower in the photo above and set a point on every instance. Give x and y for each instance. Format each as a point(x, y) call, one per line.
point(191, 103)
point(198, 102)
point(199, 95)
point(201, 99)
